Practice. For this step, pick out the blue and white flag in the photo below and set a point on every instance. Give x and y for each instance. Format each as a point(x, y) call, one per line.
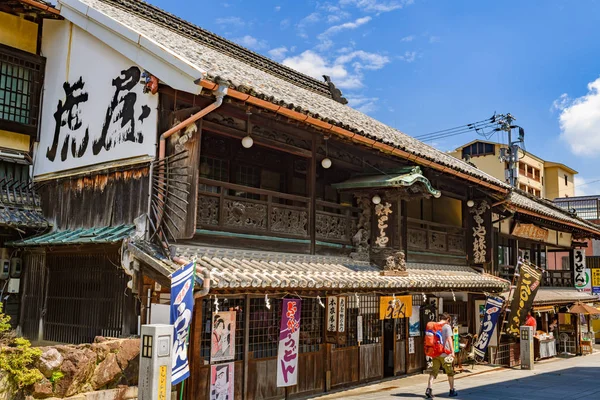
point(182, 305)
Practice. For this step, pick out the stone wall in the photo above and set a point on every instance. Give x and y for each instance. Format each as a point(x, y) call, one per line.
point(72, 369)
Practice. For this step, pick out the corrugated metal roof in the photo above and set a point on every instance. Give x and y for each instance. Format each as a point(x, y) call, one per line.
point(232, 269)
point(106, 235)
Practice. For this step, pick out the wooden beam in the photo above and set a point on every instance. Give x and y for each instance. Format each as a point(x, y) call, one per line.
point(272, 144)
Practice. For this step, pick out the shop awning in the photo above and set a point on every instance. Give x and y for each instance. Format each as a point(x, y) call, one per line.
point(246, 269)
point(561, 296)
point(106, 235)
point(401, 178)
point(541, 309)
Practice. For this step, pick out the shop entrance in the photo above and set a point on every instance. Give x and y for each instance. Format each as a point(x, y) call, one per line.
point(389, 335)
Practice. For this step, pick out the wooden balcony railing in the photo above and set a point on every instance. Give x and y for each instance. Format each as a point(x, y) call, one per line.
point(434, 237)
point(558, 278)
point(237, 208)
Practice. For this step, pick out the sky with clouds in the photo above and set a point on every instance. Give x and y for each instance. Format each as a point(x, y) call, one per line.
point(427, 65)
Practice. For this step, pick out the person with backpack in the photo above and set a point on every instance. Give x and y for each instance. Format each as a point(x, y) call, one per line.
point(439, 345)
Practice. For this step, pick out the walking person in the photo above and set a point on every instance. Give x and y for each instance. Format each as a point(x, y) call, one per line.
point(439, 345)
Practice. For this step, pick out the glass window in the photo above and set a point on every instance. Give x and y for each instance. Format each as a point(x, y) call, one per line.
point(566, 180)
point(215, 169)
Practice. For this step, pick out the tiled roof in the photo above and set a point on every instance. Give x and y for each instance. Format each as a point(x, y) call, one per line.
point(107, 235)
point(266, 84)
point(21, 217)
point(546, 208)
point(552, 295)
point(223, 61)
point(239, 269)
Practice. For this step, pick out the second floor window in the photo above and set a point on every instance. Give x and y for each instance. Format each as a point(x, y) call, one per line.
point(20, 82)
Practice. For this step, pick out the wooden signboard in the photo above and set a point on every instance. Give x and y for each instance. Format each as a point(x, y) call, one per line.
point(530, 231)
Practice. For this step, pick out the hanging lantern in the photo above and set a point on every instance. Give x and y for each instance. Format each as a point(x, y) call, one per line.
point(247, 141)
point(376, 199)
point(326, 163)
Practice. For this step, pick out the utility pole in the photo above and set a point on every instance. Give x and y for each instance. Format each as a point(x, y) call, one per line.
point(511, 154)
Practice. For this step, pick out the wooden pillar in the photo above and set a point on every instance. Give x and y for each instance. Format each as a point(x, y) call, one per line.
point(312, 193)
point(404, 228)
point(246, 344)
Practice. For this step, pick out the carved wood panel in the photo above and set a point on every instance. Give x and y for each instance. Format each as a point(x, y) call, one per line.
point(208, 211)
point(245, 214)
point(332, 227)
point(417, 239)
point(437, 241)
point(456, 243)
point(290, 221)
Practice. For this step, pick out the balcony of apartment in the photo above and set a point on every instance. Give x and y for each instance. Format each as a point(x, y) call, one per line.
point(21, 77)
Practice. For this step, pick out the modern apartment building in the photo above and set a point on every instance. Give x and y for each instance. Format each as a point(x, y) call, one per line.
point(539, 177)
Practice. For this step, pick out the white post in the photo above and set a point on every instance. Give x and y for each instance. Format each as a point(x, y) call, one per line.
point(155, 362)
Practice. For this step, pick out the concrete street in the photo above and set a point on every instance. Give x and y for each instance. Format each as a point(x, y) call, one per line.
point(572, 378)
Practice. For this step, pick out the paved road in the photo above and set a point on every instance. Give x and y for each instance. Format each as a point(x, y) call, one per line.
point(569, 379)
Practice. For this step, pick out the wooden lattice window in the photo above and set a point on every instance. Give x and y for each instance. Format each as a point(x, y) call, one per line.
point(225, 304)
point(21, 76)
point(372, 325)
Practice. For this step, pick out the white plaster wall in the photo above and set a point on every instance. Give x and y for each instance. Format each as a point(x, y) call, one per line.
point(73, 54)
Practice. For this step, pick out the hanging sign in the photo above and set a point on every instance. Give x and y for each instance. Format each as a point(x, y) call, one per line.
point(595, 273)
point(182, 305)
point(411, 345)
point(222, 345)
point(221, 381)
point(493, 307)
point(527, 287)
point(428, 314)
point(359, 329)
point(330, 335)
point(480, 223)
point(582, 278)
point(341, 336)
point(395, 307)
point(530, 231)
point(289, 340)
point(414, 327)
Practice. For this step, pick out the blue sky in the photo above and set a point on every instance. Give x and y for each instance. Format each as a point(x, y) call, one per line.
point(426, 65)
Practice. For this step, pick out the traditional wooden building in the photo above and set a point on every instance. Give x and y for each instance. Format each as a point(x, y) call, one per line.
point(266, 179)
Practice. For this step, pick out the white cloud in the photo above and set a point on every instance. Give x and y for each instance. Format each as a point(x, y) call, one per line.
point(408, 56)
point(376, 5)
point(251, 42)
point(348, 25)
point(277, 8)
point(284, 23)
point(278, 53)
point(337, 17)
point(580, 188)
point(324, 45)
point(561, 103)
point(304, 22)
point(408, 38)
point(370, 61)
point(362, 103)
point(231, 22)
point(434, 39)
point(580, 121)
point(345, 71)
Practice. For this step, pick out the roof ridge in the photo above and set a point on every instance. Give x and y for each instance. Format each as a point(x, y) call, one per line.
point(176, 24)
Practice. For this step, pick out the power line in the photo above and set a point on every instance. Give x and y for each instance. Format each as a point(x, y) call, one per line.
point(455, 128)
point(479, 129)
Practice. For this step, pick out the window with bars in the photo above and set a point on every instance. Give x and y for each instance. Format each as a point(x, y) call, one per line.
point(264, 327)
point(311, 326)
point(21, 76)
point(372, 325)
point(226, 304)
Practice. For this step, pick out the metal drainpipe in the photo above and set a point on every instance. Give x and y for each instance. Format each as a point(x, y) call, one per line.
point(205, 277)
point(220, 93)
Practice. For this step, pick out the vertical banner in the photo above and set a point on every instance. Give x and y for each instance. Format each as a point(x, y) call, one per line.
point(332, 312)
point(289, 340)
point(341, 336)
point(182, 305)
point(414, 327)
point(391, 307)
point(582, 274)
point(359, 329)
point(221, 381)
point(491, 313)
point(411, 345)
point(428, 314)
point(522, 301)
point(595, 273)
point(222, 344)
